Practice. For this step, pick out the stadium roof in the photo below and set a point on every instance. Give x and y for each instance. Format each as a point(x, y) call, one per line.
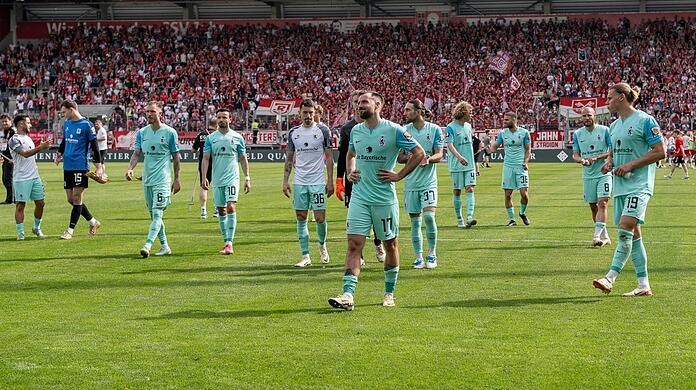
point(265, 9)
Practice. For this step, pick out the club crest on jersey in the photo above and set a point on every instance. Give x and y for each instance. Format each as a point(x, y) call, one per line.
point(162, 140)
point(381, 141)
point(315, 136)
point(599, 137)
point(630, 131)
point(427, 136)
point(79, 131)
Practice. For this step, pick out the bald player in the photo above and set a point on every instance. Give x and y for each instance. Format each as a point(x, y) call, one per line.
point(591, 144)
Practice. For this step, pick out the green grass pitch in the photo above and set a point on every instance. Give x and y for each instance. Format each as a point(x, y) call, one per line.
point(506, 308)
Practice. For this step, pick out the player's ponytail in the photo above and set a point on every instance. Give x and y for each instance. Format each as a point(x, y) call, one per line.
point(631, 93)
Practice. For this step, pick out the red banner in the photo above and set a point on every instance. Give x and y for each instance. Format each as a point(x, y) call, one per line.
point(572, 107)
point(500, 62)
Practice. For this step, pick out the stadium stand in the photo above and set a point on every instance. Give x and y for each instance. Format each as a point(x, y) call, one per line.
point(214, 66)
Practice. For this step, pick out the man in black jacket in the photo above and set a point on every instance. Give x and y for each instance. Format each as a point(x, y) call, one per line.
point(7, 132)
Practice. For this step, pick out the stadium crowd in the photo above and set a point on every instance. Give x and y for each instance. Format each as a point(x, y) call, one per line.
point(208, 67)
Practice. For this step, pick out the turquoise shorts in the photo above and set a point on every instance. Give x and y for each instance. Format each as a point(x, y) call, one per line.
point(361, 218)
point(461, 180)
point(515, 178)
point(415, 201)
point(595, 189)
point(158, 196)
point(633, 205)
point(28, 190)
point(305, 197)
point(225, 194)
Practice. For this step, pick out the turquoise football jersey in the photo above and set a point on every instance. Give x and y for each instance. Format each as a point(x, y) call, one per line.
point(514, 143)
point(590, 144)
point(224, 150)
point(429, 137)
point(631, 139)
point(461, 137)
point(377, 149)
point(157, 147)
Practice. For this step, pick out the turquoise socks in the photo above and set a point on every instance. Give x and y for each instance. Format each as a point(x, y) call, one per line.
point(20, 228)
point(623, 250)
point(349, 284)
point(155, 225)
point(457, 201)
point(430, 231)
point(511, 213)
point(222, 221)
point(470, 202)
point(417, 236)
point(231, 226)
point(303, 236)
point(523, 208)
point(390, 276)
point(322, 228)
point(640, 258)
point(37, 223)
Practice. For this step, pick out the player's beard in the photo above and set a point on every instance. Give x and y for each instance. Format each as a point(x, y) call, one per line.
point(365, 115)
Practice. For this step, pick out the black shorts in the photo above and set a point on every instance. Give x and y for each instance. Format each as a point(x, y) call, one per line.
point(102, 154)
point(678, 160)
point(72, 179)
point(208, 175)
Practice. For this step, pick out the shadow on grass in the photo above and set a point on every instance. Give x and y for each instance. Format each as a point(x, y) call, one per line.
point(121, 256)
point(515, 302)
point(257, 270)
point(209, 314)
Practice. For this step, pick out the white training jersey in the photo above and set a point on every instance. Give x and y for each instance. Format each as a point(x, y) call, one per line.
point(102, 133)
point(308, 144)
point(686, 140)
point(24, 167)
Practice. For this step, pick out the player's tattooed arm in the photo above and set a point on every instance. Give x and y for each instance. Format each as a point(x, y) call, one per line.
point(132, 163)
point(328, 160)
point(527, 154)
point(176, 185)
point(402, 157)
point(416, 157)
point(289, 161)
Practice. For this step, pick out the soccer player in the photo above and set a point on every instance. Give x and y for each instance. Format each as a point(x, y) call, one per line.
point(226, 148)
point(518, 150)
point(679, 156)
point(591, 144)
point(102, 142)
point(373, 150)
point(420, 187)
point(26, 180)
point(636, 146)
point(486, 141)
point(343, 192)
point(309, 149)
point(461, 163)
point(159, 144)
point(197, 147)
point(79, 138)
point(6, 157)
